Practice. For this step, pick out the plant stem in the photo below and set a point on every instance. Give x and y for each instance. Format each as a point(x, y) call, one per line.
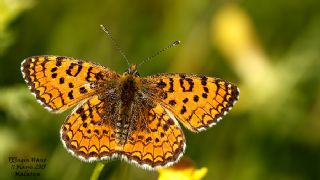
point(97, 170)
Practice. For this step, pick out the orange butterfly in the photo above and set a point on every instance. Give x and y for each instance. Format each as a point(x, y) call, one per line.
point(126, 116)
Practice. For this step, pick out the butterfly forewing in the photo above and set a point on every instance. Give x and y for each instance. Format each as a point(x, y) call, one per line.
point(196, 101)
point(60, 82)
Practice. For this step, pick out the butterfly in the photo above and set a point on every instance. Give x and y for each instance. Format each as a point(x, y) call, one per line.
point(126, 116)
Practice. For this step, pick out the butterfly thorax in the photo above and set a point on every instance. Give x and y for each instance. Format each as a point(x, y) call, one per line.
point(129, 86)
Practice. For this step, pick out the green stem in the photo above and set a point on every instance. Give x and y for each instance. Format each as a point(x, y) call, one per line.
point(97, 170)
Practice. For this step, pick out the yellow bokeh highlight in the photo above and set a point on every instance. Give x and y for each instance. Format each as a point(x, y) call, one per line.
point(184, 170)
point(233, 33)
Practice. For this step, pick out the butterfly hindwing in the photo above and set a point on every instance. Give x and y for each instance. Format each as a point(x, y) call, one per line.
point(160, 144)
point(89, 135)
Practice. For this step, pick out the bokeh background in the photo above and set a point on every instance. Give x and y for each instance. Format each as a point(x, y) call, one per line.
point(269, 48)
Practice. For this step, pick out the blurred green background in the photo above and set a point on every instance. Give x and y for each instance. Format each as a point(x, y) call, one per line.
point(269, 48)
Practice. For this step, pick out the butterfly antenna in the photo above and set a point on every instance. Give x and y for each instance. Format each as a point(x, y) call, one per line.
point(115, 43)
point(175, 43)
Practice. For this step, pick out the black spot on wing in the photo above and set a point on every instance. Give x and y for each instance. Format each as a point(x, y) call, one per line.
point(83, 90)
point(183, 110)
point(172, 102)
point(59, 61)
point(70, 94)
point(185, 100)
point(171, 85)
point(195, 98)
point(70, 85)
point(54, 75)
point(161, 84)
point(61, 80)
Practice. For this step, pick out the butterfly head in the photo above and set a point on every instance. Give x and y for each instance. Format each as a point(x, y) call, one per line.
point(132, 70)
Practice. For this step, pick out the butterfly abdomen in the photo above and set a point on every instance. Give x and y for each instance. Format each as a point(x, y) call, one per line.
point(128, 92)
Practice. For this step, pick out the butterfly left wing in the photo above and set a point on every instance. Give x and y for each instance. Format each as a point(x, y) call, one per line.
point(87, 134)
point(198, 102)
point(60, 82)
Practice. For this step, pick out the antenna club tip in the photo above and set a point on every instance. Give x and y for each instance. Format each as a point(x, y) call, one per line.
point(176, 43)
point(104, 28)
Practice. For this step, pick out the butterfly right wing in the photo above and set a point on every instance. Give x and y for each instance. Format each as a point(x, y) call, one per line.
point(160, 144)
point(60, 82)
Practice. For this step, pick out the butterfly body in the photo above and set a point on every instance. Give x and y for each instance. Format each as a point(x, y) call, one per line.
point(126, 116)
point(129, 104)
